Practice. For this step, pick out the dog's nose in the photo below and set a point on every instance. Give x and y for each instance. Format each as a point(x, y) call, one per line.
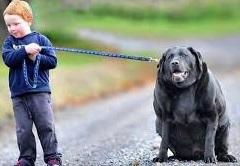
point(175, 62)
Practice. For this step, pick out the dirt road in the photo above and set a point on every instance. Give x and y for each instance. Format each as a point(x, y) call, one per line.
point(120, 130)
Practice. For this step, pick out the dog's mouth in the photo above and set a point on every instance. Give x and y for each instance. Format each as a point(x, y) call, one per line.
point(179, 76)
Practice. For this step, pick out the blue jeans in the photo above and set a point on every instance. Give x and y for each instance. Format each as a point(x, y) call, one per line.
point(29, 109)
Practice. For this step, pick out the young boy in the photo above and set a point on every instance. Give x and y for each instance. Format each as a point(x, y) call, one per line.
point(29, 84)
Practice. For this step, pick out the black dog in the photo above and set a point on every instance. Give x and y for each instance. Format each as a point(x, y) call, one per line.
point(190, 109)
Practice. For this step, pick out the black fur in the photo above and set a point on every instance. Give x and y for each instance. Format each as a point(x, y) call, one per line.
point(190, 109)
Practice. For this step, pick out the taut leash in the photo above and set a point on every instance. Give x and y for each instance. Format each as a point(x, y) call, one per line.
point(103, 53)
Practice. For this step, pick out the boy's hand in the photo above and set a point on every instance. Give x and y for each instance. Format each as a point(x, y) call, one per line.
point(32, 49)
point(32, 57)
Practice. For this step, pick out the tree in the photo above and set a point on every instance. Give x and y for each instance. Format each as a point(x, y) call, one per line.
point(3, 29)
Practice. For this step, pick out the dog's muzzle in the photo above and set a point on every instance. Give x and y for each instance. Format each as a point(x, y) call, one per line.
point(179, 76)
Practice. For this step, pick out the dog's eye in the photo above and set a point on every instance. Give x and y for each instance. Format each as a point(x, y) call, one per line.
point(170, 56)
point(183, 55)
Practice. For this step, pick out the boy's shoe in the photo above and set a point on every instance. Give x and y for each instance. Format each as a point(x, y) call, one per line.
point(22, 162)
point(54, 162)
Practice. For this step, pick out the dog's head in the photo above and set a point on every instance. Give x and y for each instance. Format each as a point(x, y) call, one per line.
point(181, 66)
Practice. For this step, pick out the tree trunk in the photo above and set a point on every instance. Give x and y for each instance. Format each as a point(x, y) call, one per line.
point(3, 28)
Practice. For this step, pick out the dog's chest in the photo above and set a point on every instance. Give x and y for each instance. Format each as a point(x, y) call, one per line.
point(183, 109)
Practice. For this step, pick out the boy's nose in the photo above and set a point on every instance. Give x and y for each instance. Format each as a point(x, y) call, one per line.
point(12, 29)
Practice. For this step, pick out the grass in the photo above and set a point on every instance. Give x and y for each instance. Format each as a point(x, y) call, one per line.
point(5, 102)
point(162, 29)
point(76, 86)
point(192, 19)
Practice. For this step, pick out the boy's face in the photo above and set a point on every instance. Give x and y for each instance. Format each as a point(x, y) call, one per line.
point(17, 26)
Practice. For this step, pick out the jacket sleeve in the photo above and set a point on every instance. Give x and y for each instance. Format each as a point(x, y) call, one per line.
point(13, 58)
point(48, 59)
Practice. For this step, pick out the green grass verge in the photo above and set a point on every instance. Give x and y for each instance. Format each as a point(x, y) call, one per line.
point(192, 19)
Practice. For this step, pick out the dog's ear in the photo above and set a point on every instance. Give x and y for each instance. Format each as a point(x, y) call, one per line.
point(199, 60)
point(161, 62)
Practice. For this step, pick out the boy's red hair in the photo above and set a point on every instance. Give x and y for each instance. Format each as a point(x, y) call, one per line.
point(21, 8)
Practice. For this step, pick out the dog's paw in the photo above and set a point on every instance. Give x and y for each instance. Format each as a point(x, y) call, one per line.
point(160, 159)
point(198, 155)
point(173, 158)
point(226, 158)
point(210, 159)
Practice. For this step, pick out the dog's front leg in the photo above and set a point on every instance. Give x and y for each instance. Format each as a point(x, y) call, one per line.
point(162, 156)
point(209, 154)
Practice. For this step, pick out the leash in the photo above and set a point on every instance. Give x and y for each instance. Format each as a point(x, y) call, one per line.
point(102, 53)
point(35, 73)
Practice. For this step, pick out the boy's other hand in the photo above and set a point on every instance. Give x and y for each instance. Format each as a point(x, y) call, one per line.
point(32, 49)
point(32, 56)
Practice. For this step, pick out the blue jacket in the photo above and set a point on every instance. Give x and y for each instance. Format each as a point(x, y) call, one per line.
point(14, 57)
